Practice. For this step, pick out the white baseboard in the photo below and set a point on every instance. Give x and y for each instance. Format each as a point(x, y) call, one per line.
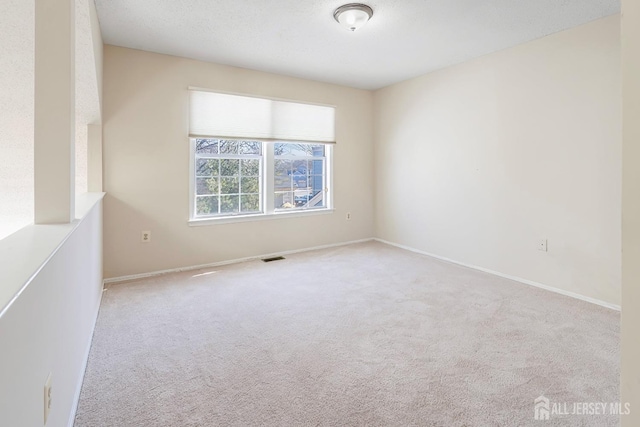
point(408, 248)
point(507, 276)
point(76, 397)
point(231, 261)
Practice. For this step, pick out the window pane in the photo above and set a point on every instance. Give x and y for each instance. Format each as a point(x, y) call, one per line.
point(250, 167)
point(250, 185)
point(300, 167)
point(316, 183)
point(299, 174)
point(250, 202)
point(301, 198)
point(228, 176)
point(229, 167)
point(207, 167)
point(284, 200)
point(318, 150)
point(305, 167)
point(282, 167)
point(207, 186)
point(300, 182)
point(316, 167)
point(282, 183)
point(249, 147)
point(228, 146)
point(288, 149)
point(207, 205)
point(293, 149)
point(317, 198)
point(282, 178)
point(229, 204)
point(229, 185)
point(206, 146)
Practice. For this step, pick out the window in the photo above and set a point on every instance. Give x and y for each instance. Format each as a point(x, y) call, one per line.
point(256, 157)
point(228, 176)
point(233, 177)
point(299, 176)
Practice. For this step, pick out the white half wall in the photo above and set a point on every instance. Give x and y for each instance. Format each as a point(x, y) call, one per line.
point(146, 165)
point(46, 322)
point(479, 162)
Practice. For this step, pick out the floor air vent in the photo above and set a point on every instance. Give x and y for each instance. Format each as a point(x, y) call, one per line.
point(275, 258)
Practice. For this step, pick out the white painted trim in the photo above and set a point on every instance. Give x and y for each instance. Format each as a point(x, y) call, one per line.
point(76, 397)
point(506, 276)
point(408, 248)
point(231, 261)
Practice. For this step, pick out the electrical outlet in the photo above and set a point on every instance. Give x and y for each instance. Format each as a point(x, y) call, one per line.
point(145, 237)
point(542, 245)
point(348, 216)
point(47, 398)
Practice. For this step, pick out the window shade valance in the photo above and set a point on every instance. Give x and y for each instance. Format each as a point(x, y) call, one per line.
point(234, 116)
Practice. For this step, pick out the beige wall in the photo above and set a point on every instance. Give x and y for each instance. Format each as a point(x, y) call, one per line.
point(478, 162)
point(630, 365)
point(146, 165)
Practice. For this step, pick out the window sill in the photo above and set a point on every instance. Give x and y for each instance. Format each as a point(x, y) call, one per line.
point(258, 217)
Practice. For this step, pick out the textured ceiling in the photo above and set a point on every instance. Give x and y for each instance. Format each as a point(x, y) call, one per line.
point(405, 38)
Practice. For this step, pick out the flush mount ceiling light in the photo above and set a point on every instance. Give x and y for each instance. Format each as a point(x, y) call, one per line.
point(353, 15)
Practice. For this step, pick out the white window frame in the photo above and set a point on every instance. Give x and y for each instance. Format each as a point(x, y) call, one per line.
point(267, 197)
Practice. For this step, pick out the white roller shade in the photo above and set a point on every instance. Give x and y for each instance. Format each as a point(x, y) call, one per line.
point(222, 115)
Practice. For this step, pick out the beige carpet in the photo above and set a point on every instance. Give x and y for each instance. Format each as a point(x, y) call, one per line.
point(361, 335)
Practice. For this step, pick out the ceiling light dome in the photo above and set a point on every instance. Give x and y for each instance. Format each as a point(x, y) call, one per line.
point(353, 15)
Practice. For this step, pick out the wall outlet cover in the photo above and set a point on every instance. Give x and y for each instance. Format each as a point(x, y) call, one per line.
point(47, 398)
point(542, 245)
